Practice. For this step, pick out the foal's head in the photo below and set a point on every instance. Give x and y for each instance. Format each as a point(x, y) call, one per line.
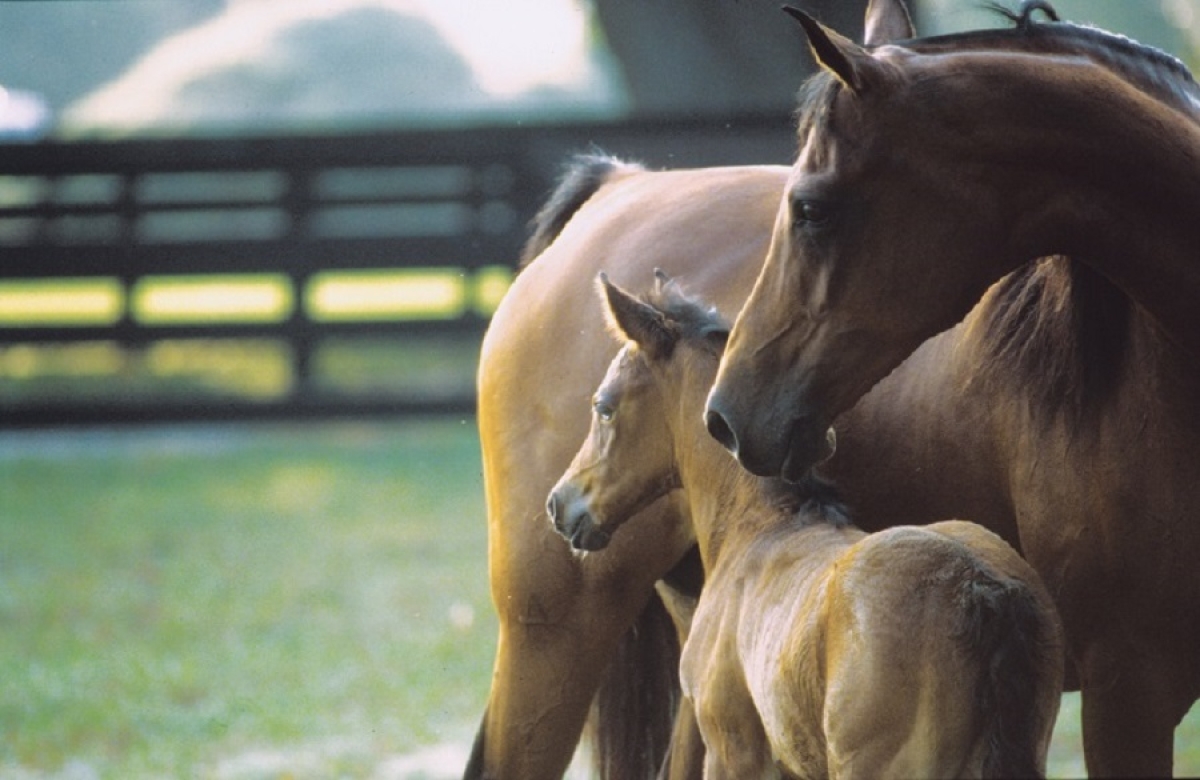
point(653, 389)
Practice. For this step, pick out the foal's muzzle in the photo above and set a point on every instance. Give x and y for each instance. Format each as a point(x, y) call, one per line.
point(568, 511)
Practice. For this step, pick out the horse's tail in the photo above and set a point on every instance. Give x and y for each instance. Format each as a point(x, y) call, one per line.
point(1011, 637)
point(474, 769)
point(634, 711)
point(631, 722)
point(582, 177)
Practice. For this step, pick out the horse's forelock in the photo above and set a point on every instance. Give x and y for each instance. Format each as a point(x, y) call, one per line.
point(815, 105)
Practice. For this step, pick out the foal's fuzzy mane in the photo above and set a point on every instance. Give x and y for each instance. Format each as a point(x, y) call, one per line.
point(692, 317)
point(688, 317)
point(694, 320)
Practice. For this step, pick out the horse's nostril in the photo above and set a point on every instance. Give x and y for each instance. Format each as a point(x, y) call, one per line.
point(719, 429)
point(552, 508)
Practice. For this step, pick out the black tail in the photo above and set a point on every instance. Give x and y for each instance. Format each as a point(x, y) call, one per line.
point(474, 770)
point(1010, 635)
point(634, 710)
point(583, 175)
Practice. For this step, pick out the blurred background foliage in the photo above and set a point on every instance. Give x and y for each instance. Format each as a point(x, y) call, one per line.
point(234, 66)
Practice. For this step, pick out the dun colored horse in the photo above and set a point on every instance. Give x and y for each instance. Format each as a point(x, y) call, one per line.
point(914, 652)
point(927, 172)
point(934, 429)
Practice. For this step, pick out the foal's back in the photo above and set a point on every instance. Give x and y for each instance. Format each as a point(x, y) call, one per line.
point(914, 652)
point(943, 656)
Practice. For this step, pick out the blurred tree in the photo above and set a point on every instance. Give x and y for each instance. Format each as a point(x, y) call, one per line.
point(715, 57)
point(55, 54)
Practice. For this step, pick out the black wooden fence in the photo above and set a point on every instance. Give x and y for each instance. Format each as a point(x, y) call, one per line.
point(288, 212)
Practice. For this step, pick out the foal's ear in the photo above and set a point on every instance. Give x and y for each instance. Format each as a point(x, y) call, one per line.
point(852, 64)
point(887, 21)
point(637, 320)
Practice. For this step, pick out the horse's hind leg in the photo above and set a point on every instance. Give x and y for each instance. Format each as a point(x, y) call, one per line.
point(561, 621)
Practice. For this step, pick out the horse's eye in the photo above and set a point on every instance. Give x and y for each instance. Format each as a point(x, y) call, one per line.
point(604, 412)
point(812, 212)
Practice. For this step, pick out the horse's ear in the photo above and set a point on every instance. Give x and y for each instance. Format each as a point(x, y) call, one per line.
point(887, 21)
point(637, 320)
point(852, 64)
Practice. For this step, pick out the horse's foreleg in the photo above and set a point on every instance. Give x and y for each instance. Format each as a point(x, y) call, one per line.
point(1131, 704)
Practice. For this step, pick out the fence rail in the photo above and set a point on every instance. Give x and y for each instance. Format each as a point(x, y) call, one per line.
point(401, 236)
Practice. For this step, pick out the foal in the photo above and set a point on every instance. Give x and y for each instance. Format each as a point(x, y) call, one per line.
point(815, 650)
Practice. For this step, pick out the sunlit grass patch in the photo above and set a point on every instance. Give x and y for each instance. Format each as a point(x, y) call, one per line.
point(391, 294)
point(491, 283)
point(242, 298)
point(65, 302)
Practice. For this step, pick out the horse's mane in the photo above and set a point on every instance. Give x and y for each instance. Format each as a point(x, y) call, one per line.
point(1150, 69)
point(1059, 330)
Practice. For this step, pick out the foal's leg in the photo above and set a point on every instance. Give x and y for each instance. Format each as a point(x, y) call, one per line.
point(736, 746)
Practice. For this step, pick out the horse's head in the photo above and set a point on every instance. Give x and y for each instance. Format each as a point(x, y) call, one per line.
point(867, 256)
point(629, 458)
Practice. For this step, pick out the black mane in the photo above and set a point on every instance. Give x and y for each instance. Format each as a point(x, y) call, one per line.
point(1058, 330)
point(1147, 67)
point(1150, 68)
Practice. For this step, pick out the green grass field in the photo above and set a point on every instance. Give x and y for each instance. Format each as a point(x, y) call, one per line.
point(269, 601)
point(304, 601)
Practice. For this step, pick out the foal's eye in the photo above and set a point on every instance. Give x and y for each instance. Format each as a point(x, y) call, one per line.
point(604, 412)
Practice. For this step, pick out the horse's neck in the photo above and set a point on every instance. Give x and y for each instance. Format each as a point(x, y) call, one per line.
point(1117, 181)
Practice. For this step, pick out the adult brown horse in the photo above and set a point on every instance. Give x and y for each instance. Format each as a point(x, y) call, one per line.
point(928, 171)
point(931, 651)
